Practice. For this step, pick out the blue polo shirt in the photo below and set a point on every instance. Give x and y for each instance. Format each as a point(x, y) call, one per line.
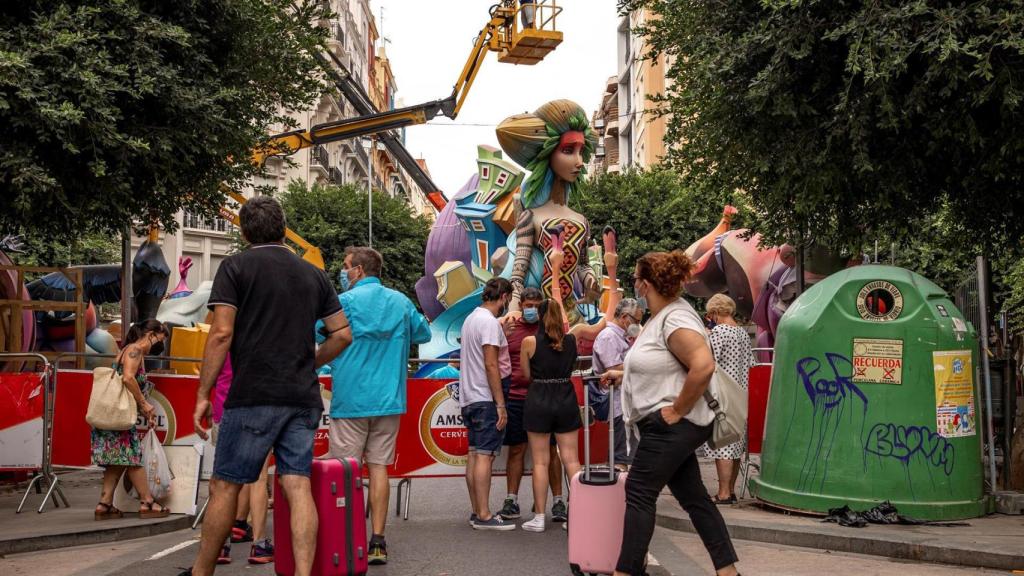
point(369, 376)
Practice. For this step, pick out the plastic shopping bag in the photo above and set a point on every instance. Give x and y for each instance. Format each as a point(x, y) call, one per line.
point(158, 473)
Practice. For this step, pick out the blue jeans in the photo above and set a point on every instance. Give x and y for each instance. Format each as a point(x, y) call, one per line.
point(248, 433)
point(481, 420)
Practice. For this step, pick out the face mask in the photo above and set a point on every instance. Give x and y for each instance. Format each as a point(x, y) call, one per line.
point(504, 309)
point(345, 282)
point(633, 331)
point(531, 315)
point(156, 348)
point(710, 324)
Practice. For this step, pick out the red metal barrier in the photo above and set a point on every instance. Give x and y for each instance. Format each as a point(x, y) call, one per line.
point(759, 382)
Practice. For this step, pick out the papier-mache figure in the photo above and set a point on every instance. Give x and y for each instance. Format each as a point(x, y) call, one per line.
point(554, 143)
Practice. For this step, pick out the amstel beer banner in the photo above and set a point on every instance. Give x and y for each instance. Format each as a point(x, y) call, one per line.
point(432, 442)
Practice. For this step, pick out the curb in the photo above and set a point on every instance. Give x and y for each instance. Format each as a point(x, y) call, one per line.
point(920, 552)
point(52, 541)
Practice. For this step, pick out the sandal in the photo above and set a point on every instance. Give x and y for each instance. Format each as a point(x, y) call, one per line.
point(108, 513)
point(723, 501)
point(146, 510)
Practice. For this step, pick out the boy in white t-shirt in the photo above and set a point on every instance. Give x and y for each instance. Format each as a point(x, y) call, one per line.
point(484, 381)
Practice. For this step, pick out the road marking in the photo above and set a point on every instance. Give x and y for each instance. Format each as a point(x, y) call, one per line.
point(172, 549)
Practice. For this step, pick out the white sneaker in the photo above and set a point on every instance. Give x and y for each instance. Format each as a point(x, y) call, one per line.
point(535, 525)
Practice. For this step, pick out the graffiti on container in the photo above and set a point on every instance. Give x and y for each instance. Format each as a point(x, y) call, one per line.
point(832, 393)
point(905, 442)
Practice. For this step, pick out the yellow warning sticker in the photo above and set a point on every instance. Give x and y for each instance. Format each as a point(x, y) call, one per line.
point(877, 361)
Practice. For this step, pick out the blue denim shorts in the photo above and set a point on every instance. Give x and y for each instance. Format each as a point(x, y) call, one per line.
point(248, 433)
point(481, 420)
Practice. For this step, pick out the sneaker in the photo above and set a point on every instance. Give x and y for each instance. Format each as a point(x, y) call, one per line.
point(495, 523)
point(559, 511)
point(262, 553)
point(241, 532)
point(535, 525)
point(473, 518)
point(225, 555)
point(510, 511)
point(378, 553)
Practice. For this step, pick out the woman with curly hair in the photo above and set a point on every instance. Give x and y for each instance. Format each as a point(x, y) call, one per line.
point(554, 143)
point(663, 382)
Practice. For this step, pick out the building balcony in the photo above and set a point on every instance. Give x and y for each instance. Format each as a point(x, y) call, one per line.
point(319, 160)
point(336, 38)
point(200, 223)
point(336, 176)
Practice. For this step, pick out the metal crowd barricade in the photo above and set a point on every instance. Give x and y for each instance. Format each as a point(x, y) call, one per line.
point(46, 474)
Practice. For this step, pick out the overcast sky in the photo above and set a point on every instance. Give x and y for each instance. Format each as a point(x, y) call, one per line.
point(429, 44)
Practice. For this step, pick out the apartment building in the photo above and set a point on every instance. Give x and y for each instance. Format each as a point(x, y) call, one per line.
point(626, 112)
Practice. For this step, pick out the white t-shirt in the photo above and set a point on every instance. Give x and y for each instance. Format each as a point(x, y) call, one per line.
point(653, 376)
point(480, 329)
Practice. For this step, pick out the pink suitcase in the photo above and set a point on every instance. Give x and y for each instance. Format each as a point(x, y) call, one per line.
point(341, 539)
point(597, 506)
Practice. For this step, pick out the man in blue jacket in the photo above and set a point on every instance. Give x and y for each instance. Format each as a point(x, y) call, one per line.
point(369, 378)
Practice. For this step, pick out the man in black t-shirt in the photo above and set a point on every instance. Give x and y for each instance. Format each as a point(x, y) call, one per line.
point(266, 302)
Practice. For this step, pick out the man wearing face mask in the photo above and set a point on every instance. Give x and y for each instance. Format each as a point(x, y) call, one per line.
point(370, 376)
point(610, 349)
point(515, 432)
point(484, 381)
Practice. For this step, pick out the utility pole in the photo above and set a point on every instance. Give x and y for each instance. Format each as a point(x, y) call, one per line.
point(369, 191)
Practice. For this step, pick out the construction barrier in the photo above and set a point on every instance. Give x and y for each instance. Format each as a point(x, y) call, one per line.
point(432, 441)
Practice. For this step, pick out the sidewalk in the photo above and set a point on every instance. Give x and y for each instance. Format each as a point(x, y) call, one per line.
point(31, 531)
point(995, 541)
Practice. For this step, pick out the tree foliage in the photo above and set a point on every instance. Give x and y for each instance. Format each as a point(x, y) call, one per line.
point(333, 218)
point(850, 120)
point(651, 211)
point(114, 111)
point(88, 248)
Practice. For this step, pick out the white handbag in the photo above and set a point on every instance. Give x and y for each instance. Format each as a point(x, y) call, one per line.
point(727, 399)
point(111, 405)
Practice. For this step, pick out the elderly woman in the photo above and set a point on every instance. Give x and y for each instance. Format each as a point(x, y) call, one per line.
point(663, 380)
point(731, 347)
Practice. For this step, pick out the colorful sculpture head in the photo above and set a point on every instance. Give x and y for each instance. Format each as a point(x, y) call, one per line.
point(555, 141)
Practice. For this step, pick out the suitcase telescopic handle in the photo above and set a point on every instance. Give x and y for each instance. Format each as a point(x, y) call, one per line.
point(587, 380)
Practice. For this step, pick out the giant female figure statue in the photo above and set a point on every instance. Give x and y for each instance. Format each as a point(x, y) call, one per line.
point(554, 143)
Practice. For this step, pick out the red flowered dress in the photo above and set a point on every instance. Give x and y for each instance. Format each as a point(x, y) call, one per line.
point(120, 447)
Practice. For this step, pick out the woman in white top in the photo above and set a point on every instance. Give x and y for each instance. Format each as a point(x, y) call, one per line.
point(663, 382)
point(733, 354)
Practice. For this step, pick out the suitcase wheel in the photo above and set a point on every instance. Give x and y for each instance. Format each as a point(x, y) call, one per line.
point(576, 570)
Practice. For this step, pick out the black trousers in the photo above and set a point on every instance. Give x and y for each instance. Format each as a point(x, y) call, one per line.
point(665, 456)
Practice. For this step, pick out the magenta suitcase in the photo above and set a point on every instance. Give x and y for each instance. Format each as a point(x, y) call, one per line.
point(597, 507)
point(341, 538)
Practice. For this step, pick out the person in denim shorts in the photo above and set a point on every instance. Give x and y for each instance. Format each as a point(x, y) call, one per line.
point(266, 302)
point(484, 381)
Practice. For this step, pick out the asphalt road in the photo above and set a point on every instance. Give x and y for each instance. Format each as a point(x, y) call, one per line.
point(437, 541)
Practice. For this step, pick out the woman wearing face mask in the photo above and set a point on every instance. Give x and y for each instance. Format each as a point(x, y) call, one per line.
point(118, 450)
point(610, 350)
point(663, 382)
point(548, 360)
point(731, 347)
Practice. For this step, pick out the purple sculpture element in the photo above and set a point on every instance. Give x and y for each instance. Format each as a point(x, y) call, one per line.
point(447, 242)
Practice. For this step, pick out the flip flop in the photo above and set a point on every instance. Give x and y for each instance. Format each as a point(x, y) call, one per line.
point(109, 513)
point(720, 501)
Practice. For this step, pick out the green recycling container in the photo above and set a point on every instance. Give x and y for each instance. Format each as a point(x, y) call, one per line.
point(874, 397)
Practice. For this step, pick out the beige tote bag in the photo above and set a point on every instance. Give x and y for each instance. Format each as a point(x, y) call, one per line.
point(111, 405)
